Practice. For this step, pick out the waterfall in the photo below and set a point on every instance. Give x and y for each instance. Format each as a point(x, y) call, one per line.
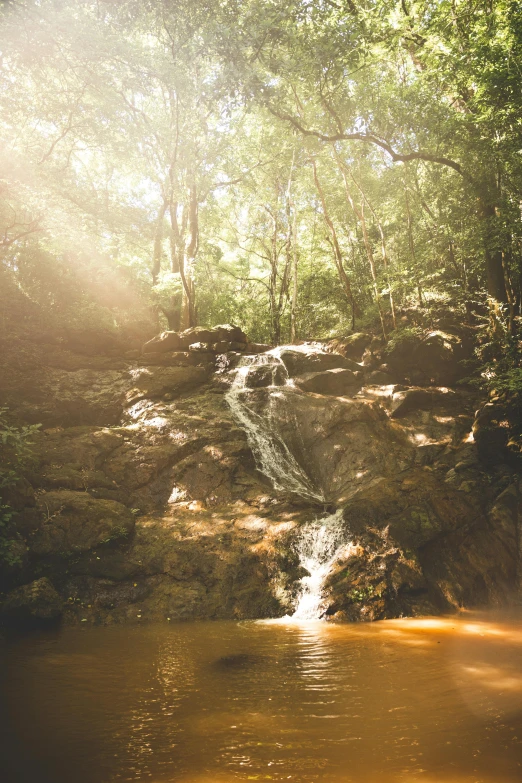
point(273, 457)
point(259, 411)
point(319, 545)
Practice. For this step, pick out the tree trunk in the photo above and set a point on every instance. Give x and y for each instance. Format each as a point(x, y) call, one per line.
point(188, 309)
point(158, 239)
point(496, 282)
point(338, 256)
point(173, 314)
point(175, 238)
point(384, 253)
point(274, 311)
point(412, 250)
point(359, 215)
point(293, 304)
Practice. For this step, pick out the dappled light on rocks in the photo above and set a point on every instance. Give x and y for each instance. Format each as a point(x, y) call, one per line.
point(260, 391)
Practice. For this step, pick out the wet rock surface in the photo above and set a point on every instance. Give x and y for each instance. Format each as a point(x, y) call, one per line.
point(145, 500)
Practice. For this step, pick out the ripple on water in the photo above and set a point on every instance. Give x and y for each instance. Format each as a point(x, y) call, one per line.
point(437, 700)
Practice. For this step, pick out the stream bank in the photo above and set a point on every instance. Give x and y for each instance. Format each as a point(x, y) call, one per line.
point(145, 502)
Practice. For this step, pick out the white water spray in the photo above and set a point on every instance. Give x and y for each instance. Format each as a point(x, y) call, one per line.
point(320, 544)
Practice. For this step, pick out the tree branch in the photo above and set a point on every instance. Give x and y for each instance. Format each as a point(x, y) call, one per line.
point(370, 138)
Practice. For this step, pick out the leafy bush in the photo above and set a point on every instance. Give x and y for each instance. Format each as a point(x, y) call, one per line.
point(404, 337)
point(509, 382)
point(15, 453)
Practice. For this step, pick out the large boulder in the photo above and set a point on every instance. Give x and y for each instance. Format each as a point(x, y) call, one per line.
point(266, 375)
point(154, 382)
point(35, 602)
point(75, 522)
point(340, 446)
point(258, 348)
point(163, 343)
point(435, 357)
point(198, 334)
point(418, 546)
point(230, 334)
point(304, 359)
point(85, 396)
point(337, 382)
point(439, 357)
point(353, 346)
point(225, 334)
point(408, 400)
point(179, 358)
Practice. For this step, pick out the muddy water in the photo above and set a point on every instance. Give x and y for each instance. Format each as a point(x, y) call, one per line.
point(432, 700)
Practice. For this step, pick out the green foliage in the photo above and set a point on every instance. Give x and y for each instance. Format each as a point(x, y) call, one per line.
point(499, 351)
point(183, 137)
point(404, 338)
point(509, 382)
point(361, 594)
point(15, 448)
point(117, 533)
point(15, 453)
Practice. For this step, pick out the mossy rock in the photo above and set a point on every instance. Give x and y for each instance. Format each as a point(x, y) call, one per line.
point(37, 601)
point(76, 522)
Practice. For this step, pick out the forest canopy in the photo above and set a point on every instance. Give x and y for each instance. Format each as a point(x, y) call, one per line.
point(299, 168)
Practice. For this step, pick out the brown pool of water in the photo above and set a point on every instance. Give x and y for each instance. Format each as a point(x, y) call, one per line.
point(437, 700)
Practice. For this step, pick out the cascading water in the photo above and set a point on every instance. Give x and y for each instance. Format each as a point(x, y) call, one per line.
point(272, 455)
point(321, 542)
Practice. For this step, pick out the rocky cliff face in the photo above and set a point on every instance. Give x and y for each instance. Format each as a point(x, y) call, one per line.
point(145, 502)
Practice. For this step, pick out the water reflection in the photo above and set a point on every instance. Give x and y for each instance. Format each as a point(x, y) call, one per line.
point(437, 700)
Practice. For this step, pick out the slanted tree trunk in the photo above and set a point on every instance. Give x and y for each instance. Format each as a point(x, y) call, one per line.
point(183, 257)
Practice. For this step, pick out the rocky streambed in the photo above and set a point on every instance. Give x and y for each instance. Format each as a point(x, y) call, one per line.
point(145, 500)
